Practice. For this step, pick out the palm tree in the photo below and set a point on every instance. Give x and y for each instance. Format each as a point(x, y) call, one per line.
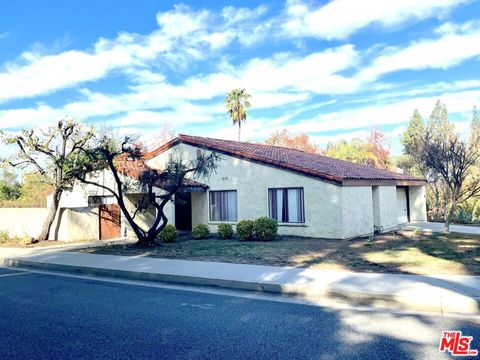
point(236, 102)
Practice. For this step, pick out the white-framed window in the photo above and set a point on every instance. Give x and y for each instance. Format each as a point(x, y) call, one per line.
point(223, 205)
point(286, 205)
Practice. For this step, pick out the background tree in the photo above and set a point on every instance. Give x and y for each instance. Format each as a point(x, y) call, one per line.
point(413, 161)
point(449, 161)
point(237, 102)
point(300, 141)
point(31, 191)
point(114, 156)
point(50, 153)
point(372, 151)
point(9, 187)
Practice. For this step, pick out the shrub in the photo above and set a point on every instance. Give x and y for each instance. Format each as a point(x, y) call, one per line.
point(225, 231)
point(168, 234)
point(26, 240)
point(265, 229)
point(465, 215)
point(245, 230)
point(200, 231)
point(3, 236)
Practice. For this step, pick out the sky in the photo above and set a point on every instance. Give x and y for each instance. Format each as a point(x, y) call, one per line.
point(331, 69)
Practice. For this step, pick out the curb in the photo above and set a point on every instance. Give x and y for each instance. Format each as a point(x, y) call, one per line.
point(168, 278)
point(451, 304)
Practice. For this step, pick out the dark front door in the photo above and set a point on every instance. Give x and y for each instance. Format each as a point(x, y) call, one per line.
point(109, 221)
point(183, 211)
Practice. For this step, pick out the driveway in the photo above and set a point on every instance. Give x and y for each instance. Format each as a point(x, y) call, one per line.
point(438, 227)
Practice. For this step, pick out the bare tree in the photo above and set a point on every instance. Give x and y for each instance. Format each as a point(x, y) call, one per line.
point(51, 153)
point(113, 156)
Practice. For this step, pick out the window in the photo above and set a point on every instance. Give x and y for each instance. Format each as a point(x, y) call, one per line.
point(286, 205)
point(223, 205)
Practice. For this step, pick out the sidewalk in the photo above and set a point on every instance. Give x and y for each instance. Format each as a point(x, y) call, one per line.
point(444, 294)
point(438, 227)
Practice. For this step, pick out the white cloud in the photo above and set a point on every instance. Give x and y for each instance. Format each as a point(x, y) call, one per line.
point(34, 116)
point(449, 50)
point(377, 115)
point(339, 19)
point(181, 37)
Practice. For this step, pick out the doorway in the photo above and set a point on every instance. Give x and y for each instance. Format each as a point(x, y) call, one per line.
point(183, 211)
point(403, 213)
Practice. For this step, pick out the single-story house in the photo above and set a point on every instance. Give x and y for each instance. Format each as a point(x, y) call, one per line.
point(308, 194)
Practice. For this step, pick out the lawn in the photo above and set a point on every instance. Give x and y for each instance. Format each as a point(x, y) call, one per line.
point(404, 252)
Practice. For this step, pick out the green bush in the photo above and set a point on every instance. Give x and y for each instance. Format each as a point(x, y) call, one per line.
point(168, 234)
point(225, 231)
point(464, 215)
point(265, 229)
point(245, 230)
point(200, 231)
point(3, 236)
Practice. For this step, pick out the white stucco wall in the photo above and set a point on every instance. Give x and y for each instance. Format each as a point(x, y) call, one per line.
point(323, 207)
point(75, 224)
point(384, 207)
point(21, 222)
point(143, 218)
point(357, 211)
point(418, 203)
point(78, 224)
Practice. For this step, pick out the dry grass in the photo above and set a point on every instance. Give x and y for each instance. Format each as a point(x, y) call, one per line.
point(26, 243)
point(404, 252)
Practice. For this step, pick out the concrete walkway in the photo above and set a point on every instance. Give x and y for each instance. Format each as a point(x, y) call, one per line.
point(438, 227)
point(444, 294)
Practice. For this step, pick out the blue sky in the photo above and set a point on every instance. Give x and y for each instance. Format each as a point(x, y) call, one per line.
point(330, 69)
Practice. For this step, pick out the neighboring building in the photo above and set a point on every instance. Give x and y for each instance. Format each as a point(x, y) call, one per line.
point(309, 194)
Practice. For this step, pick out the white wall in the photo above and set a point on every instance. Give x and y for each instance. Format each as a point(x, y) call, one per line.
point(143, 218)
point(323, 217)
point(21, 222)
point(357, 211)
point(384, 207)
point(75, 224)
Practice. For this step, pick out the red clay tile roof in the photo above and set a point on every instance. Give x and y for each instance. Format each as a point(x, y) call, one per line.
point(315, 165)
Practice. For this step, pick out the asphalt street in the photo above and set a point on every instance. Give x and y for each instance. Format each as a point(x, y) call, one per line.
point(45, 316)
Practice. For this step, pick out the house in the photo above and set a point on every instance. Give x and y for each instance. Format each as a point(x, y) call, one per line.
point(309, 194)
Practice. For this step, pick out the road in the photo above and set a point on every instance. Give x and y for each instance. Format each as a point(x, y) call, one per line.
point(44, 316)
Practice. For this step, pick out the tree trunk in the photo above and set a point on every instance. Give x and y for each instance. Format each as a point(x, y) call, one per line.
point(450, 215)
point(239, 129)
point(47, 225)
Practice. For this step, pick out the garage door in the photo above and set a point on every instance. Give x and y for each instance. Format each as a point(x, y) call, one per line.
point(402, 212)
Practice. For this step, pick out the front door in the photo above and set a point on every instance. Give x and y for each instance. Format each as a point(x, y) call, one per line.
point(183, 211)
point(109, 218)
point(402, 205)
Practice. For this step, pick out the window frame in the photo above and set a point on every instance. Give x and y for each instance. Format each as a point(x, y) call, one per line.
point(302, 204)
point(210, 220)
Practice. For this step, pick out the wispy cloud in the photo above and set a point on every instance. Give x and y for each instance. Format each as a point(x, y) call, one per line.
point(341, 18)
